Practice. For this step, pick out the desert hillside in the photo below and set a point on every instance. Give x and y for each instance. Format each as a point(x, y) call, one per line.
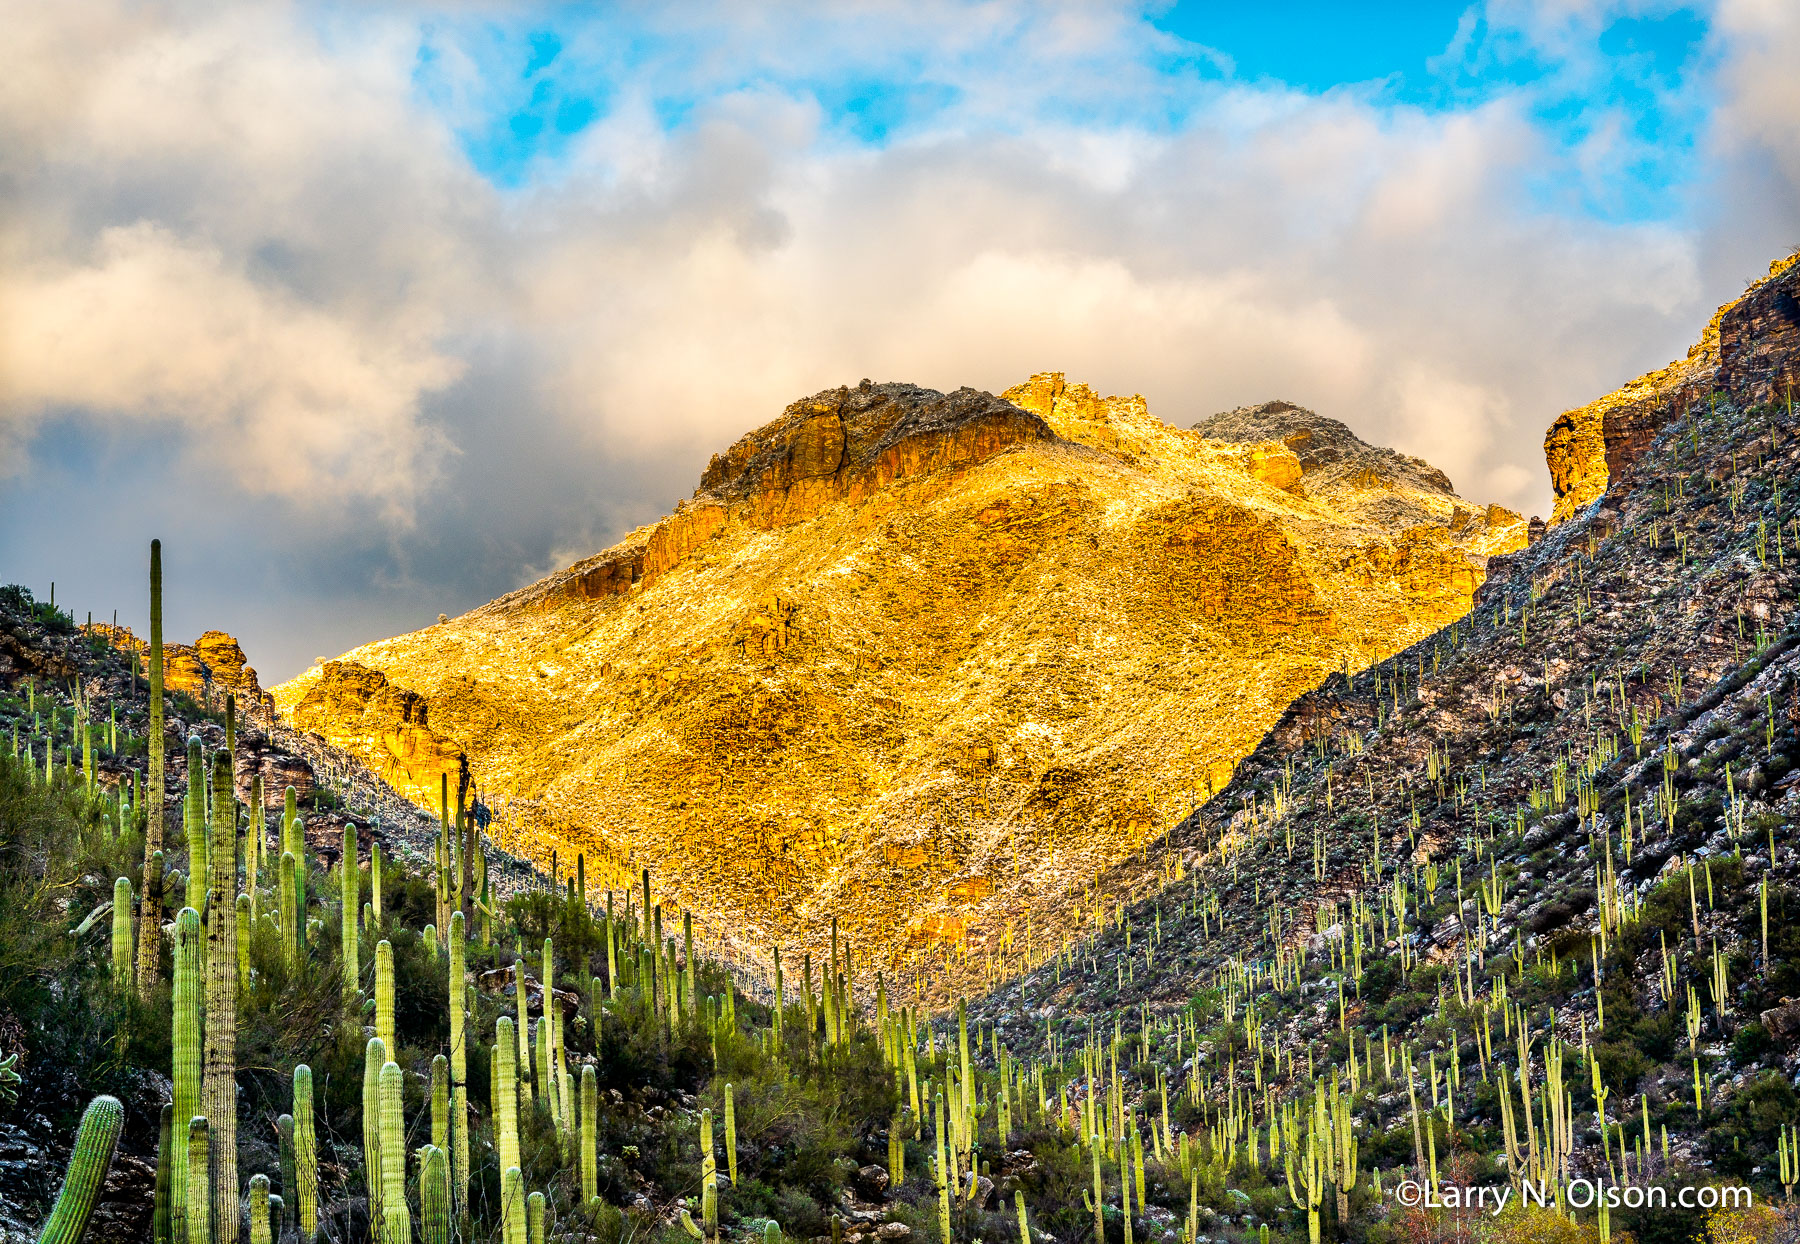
point(920, 661)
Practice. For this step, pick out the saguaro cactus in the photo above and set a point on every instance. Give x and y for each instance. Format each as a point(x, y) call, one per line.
point(709, 1186)
point(186, 1069)
point(459, 1066)
point(384, 995)
point(306, 1158)
point(121, 932)
point(193, 824)
point(590, 1126)
point(512, 1206)
point(524, 1030)
point(289, 906)
point(295, 843)
point(440, 1101)
point(506, 1108)
point(375, 880)
point(434, 1196)
point(351, 904)
point(219, 1087)
point(160, 1225)
point(88, 1165)
point(259, 1210)
point(374, 1055)
point(149, 948)
point(396, 1219)
point(199, 1187)
point(731, 1132)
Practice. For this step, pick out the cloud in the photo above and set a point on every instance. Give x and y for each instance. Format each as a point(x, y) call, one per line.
point(252, 248)
point(278, 396)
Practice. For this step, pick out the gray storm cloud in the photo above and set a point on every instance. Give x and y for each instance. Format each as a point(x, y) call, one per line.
point(254, 297)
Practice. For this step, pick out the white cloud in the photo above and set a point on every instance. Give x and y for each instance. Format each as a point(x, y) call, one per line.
point(282, 397)
point(252, 227)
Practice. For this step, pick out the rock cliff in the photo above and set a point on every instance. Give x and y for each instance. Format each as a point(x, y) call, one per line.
point(1748, 348)
point(917, 660)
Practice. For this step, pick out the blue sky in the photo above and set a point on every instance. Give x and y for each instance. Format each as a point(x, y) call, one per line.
point(382, 309)
point(1634, 80)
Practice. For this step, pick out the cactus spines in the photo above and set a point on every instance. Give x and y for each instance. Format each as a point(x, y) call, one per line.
point(534, 1218)
point(590, 1126)
point(259, 1210)
point(351, 905)
point(294, 842)
point(512, 1206)
point(161, 1229)
point(374, 1055)
point(545, 1079)
point(375, 880)
point(88, 1166)
point(524, 1030)
point(440, 1101)
point(384, 995)
point(121, 932)
point(731, 1132)
point(506, 1109)
point(709, 1178)
point(459, 1066)
point(303, 1197)
point(199, 1186)
point(149, 948)
point(186, 1069)
point(285, 882)
point(219, 1088)
point(396, 1219)
point(434, 1196)
point(193, 824)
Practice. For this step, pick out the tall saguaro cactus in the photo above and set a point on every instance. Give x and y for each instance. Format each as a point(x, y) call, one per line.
point(590, 1126)
point(88, 1165)
point(374, 1056)
point(199, 1225)
point(434, 1196)
point(306, 1157)
point(506, 1107)
point(121, 931)
point(459, 1066)
point(186, 1069)
point(295, 841)
point(219, 1090)
point(396, 1219)
point(193, 825)
point(351, 903)
point(149, 946)
point(384, 995)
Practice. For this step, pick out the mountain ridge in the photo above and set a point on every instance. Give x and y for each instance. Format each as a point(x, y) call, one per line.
point(859, 662)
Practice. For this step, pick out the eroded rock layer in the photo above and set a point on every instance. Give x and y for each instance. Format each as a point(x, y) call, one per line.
point(1748, 347)
point(918, 660)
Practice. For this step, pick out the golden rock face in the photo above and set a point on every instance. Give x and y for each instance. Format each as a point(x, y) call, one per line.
point(920, 660)
point(1586, 446)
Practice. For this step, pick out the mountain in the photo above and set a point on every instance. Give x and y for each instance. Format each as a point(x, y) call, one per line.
point(1562, 828)
point(919, 661)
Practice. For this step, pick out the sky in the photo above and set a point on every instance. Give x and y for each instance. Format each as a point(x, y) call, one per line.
point(375, 311)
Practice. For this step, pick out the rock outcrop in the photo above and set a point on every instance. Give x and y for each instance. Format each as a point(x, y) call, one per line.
point(1748, 348)
point(917, 659)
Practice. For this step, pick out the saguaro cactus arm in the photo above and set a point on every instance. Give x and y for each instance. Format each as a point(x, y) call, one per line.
point(88, 1166)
